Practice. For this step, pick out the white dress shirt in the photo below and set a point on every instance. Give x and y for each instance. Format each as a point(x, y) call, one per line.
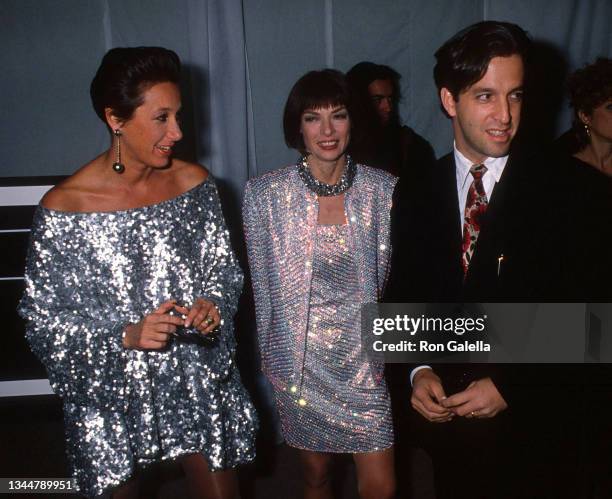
point(495, 168)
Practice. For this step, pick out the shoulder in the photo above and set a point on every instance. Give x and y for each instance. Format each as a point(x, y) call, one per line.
point(443, 168)
point(273, 180)
point(60, 198)
point(71, 193)
point(188, 175)
point(446, 161)
point(376, 176)
point(410, 136)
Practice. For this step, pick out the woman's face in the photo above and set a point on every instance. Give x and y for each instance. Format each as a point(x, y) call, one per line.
point(600, 121)
point(326, 132)
point(150, 134)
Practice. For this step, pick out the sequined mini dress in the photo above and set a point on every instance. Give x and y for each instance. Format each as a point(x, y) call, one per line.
point(343, 408)
point(90, 274)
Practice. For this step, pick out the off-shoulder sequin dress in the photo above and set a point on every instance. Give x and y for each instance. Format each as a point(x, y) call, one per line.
point(90, 274)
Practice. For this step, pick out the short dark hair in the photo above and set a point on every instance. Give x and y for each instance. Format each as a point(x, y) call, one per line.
point(589, 87)
point(464, 59)
point(314, 90)
point(125, 73)
point(363, 73)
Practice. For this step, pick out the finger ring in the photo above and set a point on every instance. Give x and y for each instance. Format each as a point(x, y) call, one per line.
point(472, 414)
point(209, 320)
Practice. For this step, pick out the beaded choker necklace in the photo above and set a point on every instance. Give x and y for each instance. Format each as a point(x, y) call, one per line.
point(321, 188)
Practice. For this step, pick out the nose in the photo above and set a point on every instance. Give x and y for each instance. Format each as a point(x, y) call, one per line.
point(385, 105)
point(174, 131)
point(327, 126)
point(504, 114)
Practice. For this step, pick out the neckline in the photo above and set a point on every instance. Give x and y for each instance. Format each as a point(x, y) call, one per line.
point(588, 167)
point(145, 207)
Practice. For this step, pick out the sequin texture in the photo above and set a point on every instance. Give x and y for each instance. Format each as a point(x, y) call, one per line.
point(90, 274)
point(309, 283)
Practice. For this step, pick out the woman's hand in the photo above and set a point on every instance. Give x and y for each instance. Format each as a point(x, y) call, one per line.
point(154, 331)
point(204, 316)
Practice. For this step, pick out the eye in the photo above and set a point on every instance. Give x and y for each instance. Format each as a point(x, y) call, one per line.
point(342, 115)
point(162, 117)
point(517, 96)
point(309, 118)
point(483, 97)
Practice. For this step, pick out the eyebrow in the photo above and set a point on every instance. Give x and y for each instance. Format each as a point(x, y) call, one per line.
point(493, 90)
point(168, 109)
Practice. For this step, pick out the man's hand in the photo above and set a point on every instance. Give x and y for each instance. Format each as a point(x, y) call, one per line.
point(427, 395)
point(480, 399)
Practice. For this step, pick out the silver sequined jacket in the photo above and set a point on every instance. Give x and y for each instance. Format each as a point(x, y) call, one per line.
point(90, 274)
point(280, 217)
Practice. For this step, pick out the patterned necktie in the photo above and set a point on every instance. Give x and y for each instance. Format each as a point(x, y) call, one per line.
point(475, 208)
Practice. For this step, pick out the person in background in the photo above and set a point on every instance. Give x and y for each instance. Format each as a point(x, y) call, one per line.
point(583, 179)
point(591, 98)
point(585, 171)
point(317, 236)
point(383, 141)
point(131, 288)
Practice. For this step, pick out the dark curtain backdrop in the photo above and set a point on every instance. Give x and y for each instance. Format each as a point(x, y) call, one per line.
point(241, 58)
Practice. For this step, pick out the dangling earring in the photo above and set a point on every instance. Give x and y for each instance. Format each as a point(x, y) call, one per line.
point(587, 130)
point(118, 165)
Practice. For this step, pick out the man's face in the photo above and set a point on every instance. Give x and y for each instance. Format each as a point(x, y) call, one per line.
point(487, 114)
point(381, 92)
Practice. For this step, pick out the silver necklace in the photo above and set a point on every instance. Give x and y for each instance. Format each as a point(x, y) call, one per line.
point(321, 188)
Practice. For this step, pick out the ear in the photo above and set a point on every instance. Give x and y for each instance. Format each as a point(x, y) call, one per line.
point(113, 122)
point(448, 102)
point(584, 117)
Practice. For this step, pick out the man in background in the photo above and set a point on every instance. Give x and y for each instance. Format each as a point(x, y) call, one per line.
point(380, 139)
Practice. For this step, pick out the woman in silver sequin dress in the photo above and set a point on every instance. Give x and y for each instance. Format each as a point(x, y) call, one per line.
point(318, 244)
point(131, 287)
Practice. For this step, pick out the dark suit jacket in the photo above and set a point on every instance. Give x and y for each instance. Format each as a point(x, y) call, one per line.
point(532, 212)
point(426, 260)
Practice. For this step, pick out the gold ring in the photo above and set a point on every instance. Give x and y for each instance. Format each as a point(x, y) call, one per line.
point(472, 413)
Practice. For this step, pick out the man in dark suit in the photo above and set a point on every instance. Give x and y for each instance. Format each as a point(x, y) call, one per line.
point(472, 232)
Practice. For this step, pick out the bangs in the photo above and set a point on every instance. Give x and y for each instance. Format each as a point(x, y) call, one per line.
point(322, 90)
point(315, 102)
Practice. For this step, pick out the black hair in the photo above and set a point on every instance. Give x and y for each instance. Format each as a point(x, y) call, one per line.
point(363, 73)
point(125, 73)
point(589, 87)
point(359, 78)
point(464, 59)
point(314, 90)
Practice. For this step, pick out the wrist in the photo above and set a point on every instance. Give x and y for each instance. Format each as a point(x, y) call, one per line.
point(125, 336)
point(420, 369)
